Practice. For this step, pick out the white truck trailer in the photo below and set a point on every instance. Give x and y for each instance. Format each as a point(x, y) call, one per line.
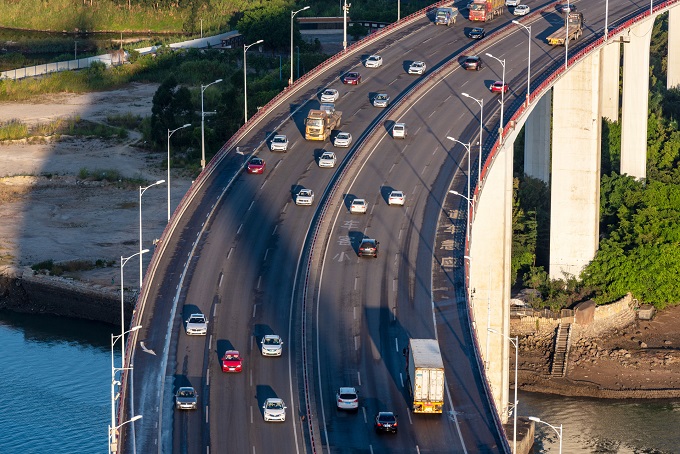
point(425, 377)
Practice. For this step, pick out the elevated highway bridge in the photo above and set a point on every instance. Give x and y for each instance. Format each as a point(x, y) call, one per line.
point(240, 251)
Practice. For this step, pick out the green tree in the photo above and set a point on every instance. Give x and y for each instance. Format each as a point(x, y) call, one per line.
point(171, 108)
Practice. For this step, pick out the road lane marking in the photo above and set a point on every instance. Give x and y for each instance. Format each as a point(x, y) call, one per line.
point(408, 413)
point(210, 341)
point(359, 379)
point(356, 279)
point(401, 379)
point(259, 281)
point(354, 312)
point(207, 412)
point(251, 205)
point(356, 342)
point(263, 183)
point(284, 207)
point(371, 448)
point(266, 253)
point(275, 227)
point(207, 377)
point(239, 229)
point(365, 418)
point(221, 277)
point(251, 414)
point(417, 449)
point(254, 307)
point(251, 378)
point(396, 344)
point(392, 168)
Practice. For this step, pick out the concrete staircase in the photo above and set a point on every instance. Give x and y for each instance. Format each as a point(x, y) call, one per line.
point(562, 342)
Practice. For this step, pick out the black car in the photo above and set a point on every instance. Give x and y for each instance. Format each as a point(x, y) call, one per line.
point(386, 421)
point(477, 33)
point(473, 62)
point(369, 247)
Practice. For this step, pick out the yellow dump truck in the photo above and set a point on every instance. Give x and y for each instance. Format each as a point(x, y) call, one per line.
point(572, 30)
point(320, 123)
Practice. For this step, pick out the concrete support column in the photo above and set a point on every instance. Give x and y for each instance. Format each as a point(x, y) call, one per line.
point(490, 274)
point(537, 140)
point(673, 75)
point(575, 179)
point(635, 100)
point(609, 80)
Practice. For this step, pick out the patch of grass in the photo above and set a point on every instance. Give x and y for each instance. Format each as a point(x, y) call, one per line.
point(73, 126)
point(126, 120)
point(13, 130)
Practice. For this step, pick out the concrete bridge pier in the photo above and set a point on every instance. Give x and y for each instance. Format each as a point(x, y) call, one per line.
point(490, 275)
point(575, 179)
point(537, 140)
point(673, 68)
point(635, 100)
point(609, 81)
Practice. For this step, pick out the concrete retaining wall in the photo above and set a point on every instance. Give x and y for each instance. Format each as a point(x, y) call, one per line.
point(606, 318)
point(23, 291)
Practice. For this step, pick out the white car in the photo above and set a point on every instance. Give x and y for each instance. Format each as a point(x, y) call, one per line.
point(417, 67)
point(330, 95)
point(521, 10)
point(381, 100)
point(373, 61)
point(197, 325)
point(396, 198)
point(347, 399)
point(327, 159)
point(358, 206)
point(343, 139)
point(279, 143)
point(304, 197)
point(399, 131)
point(274, 409)
point(272, 345)
point(511, 2)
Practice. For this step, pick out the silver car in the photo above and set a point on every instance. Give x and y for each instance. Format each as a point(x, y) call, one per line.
point(343, 139)
point(279, 143)
point(186, 398)
point(347, 399)
point(272, 345)
point(327, 159)
point(330, 95)
point(274, 409)
point(381, 100)
point(197, 325)
point(396, 198)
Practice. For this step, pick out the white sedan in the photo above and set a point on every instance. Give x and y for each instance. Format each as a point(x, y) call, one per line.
point(343, 139)
point(511, 2)
point(373, 61)
point(417, 67)
point(274, 409)
point(330, 95)
point(521, 10)
point(396, 198)
point(358, 206)
point(304, 197)
point(327, 159)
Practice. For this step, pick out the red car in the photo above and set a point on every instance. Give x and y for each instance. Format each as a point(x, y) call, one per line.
point(498, 87)
point(256, 165)
point(232, 361)
point(352, 78)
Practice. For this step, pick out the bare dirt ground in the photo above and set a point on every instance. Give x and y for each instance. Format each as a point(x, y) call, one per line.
point(49, 213)
point(62, 218)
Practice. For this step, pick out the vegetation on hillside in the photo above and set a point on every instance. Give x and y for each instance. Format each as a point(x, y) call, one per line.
point(639, 220)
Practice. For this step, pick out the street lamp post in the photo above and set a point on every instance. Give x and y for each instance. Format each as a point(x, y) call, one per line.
point(467, 147)
point(141, 191)
point(203, 87)
point(566, 38)
point(481, 128)
point(558, 432)
point(502, 62)
point(528, 29)
point(515, 343)
point(292, 15)
point(123, 261)
point(606, 20)
point(113, 430)
point(245, 91)
point(114, 339)
point(345, 10)
point(170, 133)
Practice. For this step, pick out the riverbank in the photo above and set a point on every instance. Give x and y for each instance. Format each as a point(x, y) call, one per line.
point(640, 361)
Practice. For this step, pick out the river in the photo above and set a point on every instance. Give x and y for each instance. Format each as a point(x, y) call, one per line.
point(56, 398)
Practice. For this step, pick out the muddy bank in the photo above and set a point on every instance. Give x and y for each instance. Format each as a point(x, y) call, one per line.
point(21, 290)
